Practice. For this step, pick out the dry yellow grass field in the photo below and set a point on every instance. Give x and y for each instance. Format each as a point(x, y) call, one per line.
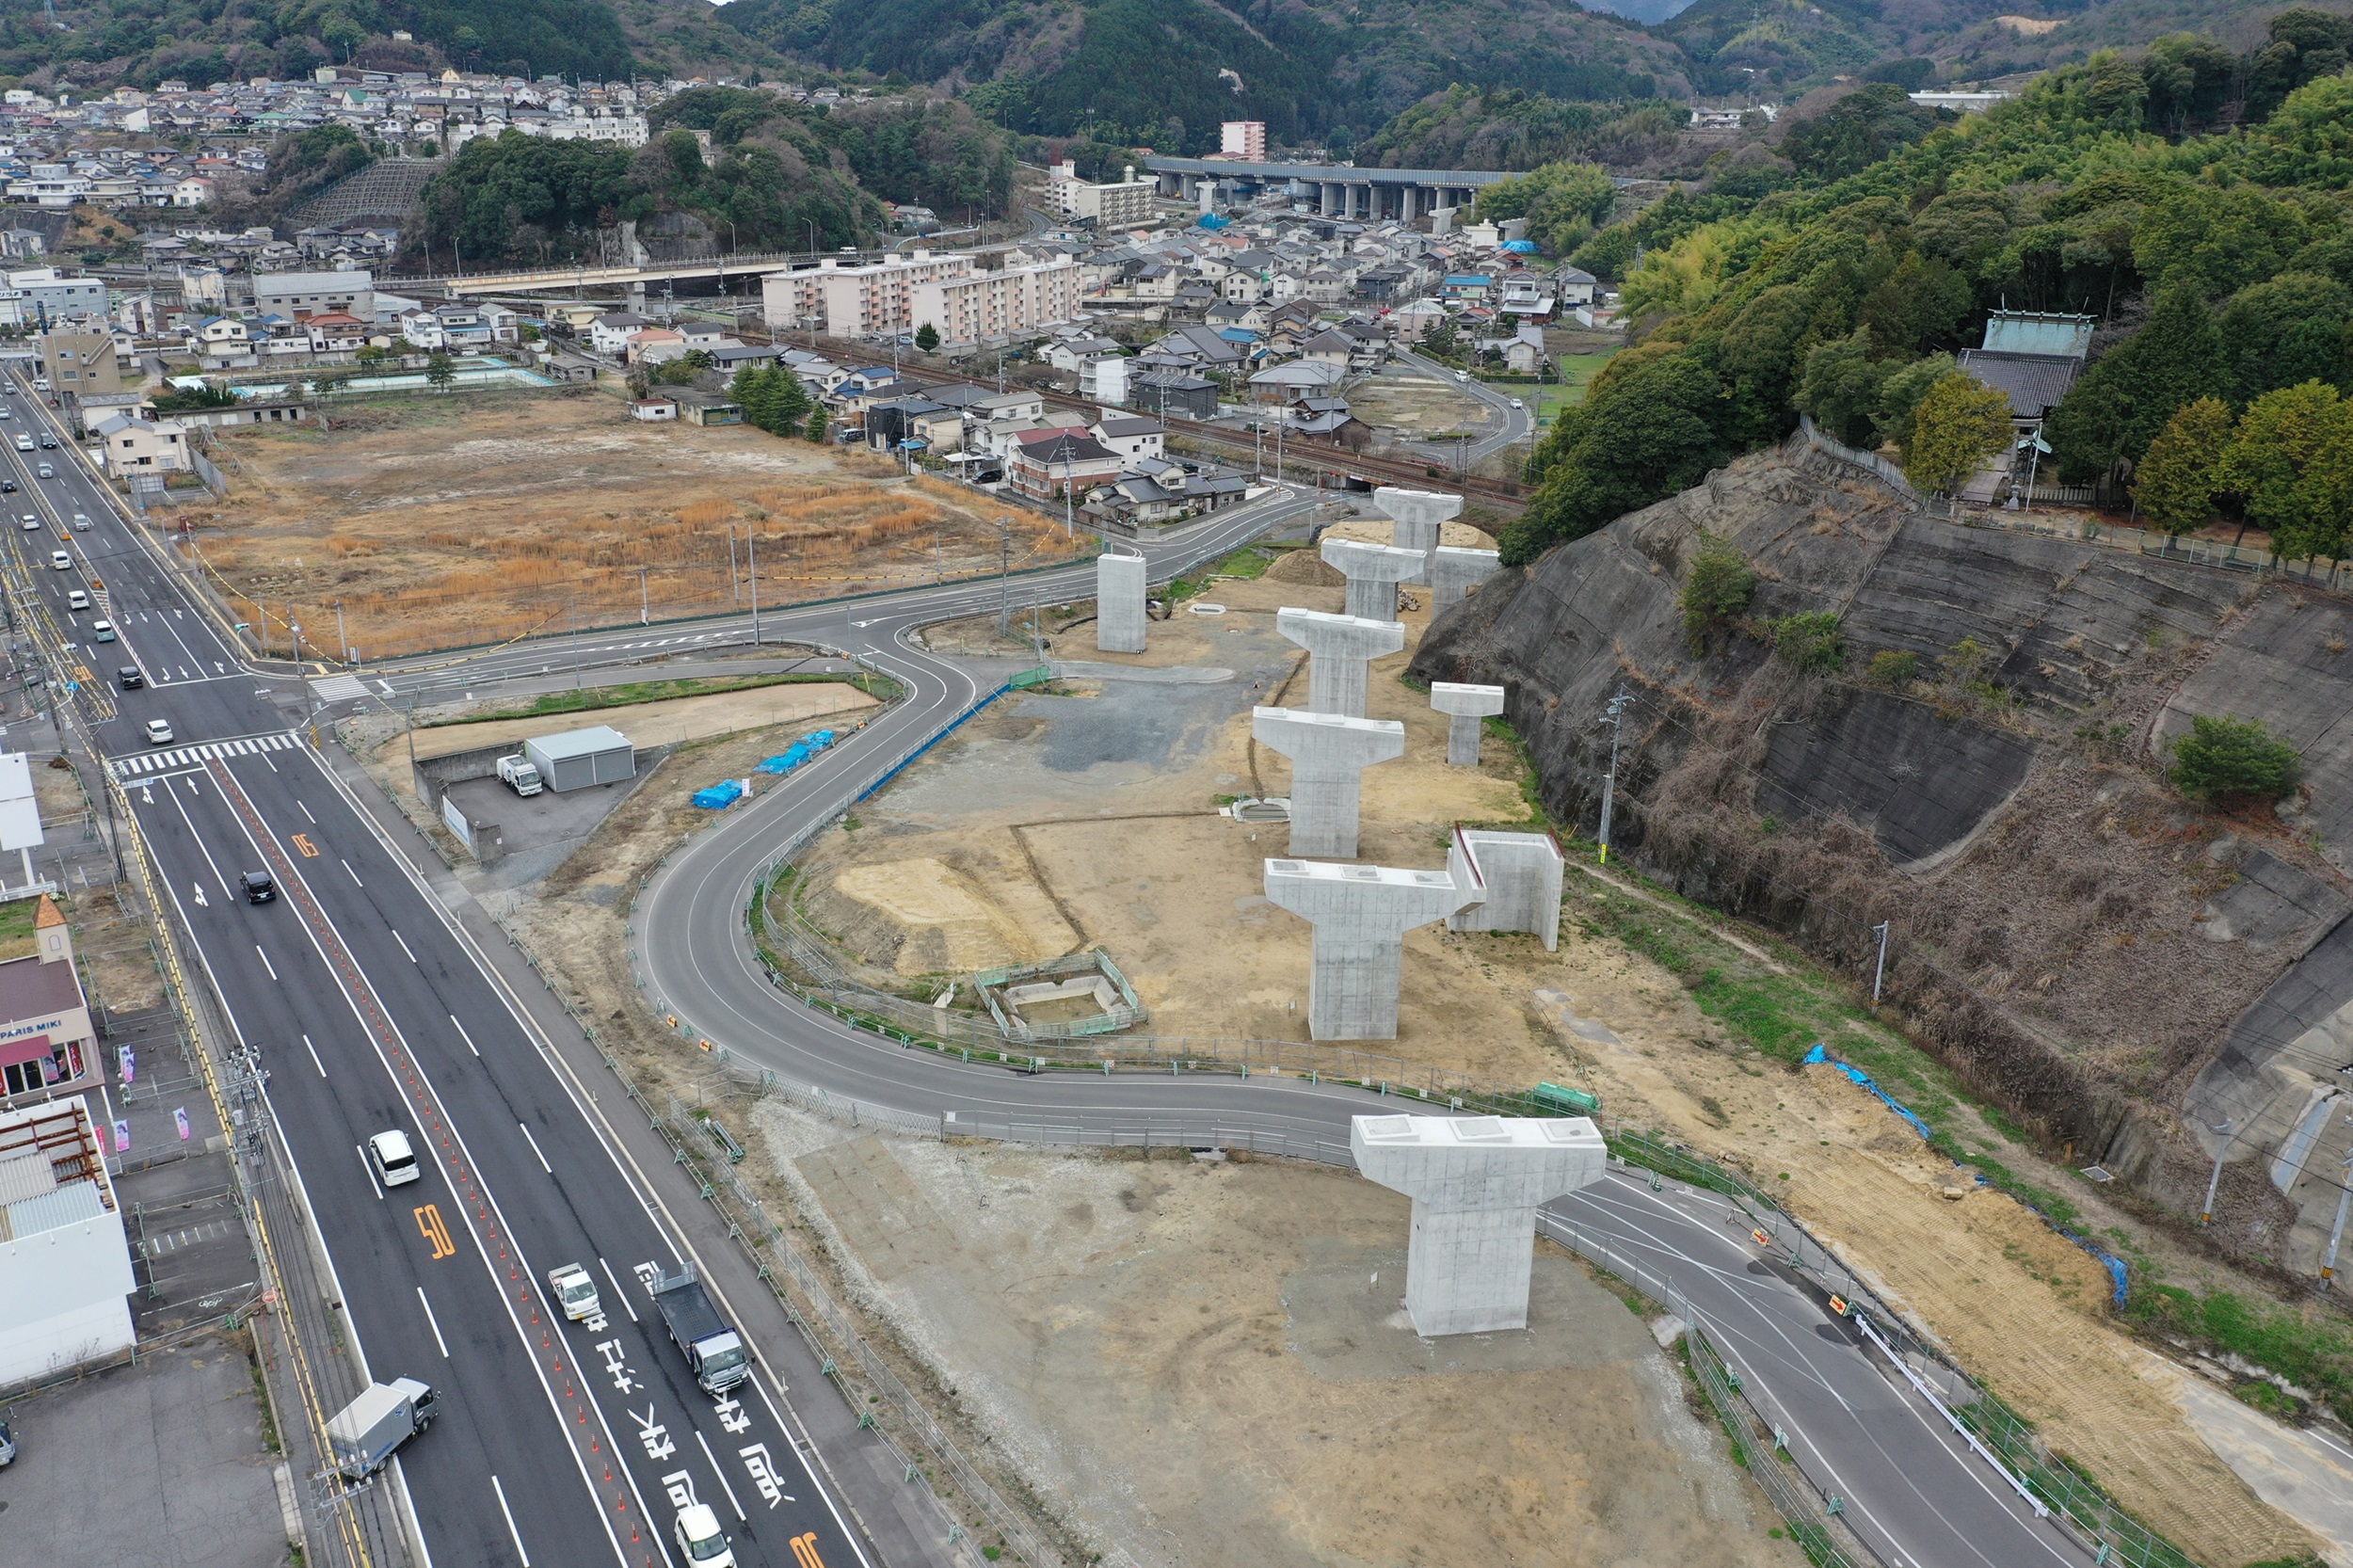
point(445, 521)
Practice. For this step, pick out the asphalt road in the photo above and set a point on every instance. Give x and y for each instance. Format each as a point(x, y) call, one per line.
point(1516, 422)
point(559, 1442)
point(1911, 1488)
point(355, 985)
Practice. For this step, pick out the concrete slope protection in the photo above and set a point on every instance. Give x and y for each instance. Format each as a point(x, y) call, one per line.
point(557, 1441)
point(1911, 1488)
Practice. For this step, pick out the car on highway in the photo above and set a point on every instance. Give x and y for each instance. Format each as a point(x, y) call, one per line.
point(575, 1291)
point(49, 443)
point(7, 487)
point(1517, 403)
point(102, 631)
point(701, 1539)
point(60, 560)
point(81, 523)
point(158, 732)
point(30, 523)
point(44, 471)
point(259, 889)
point(396, 1162)
point(4, 411)
point(130, 677)
point(76, 598)
point(24, 443)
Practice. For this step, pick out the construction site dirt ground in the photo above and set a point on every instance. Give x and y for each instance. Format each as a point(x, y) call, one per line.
point(462, 519)
point(1088, 816)
point(1206, 1362)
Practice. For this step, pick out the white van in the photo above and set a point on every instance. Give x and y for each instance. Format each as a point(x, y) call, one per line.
point(396, 1162)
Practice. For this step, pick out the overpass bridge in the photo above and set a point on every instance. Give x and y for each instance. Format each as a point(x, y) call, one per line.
point(1339, 190)
point(583, 278)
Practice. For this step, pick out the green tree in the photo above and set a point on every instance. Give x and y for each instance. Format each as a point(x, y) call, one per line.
point(440, 373)
point(1561, 202)
point(1901, 391)
point(927, 338)
point(1645, 431)
point(1718, 589)
point(1810, 642)
point(1919, 307)
point(1960, 422)
point(2287, 330)
point(2174, 486)
point(1858, 131)
point(817, 424)
point(1894, 667)
point(2291, 459)
point(2114, 412)
point(2224, 239)
point(1840, 387)
point(2221, 758)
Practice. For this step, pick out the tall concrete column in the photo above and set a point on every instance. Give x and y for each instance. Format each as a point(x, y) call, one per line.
point(1455, 573)
point(1419, 515)
point(1324, 202)
point(1329, 753)
point(1520, 873)
point(1373, 572)
point(1465, 706)
point(1338, 649)
point(1476, 1182)
point(1119, 620)
point(1361, 915)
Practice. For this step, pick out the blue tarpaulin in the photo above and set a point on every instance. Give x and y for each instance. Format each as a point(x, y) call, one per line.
point(1820, 1055)
point(798, 752)
point(720, 795)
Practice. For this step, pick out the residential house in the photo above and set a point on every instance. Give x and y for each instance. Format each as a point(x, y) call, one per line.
point(609, 333)
point(1131, 435)
point(1174, 394)
point(336, 332)
point(1574, 285)
point(1045, 463)
point(129, 444)
point(654, 410)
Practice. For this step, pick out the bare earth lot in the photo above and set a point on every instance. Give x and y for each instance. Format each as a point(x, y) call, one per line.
point(442, 521)
point(1205, 1363)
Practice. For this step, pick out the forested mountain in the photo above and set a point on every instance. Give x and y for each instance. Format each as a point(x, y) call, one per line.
point(2221, 264)
point(1164, 73)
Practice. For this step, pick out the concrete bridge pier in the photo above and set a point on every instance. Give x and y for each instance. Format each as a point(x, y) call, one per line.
point(1373, 572)
point(1340, 649)
point(1329, 753)
point(1361, 915)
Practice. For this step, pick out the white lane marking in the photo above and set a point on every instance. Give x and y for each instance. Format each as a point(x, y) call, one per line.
point(619, 1294)
point(722, 1472)
point(354, 875)
point(413, 958)
point(519, 1550)
point(469, 1039)
point(535, 1149)
point(200, 841)
point(315, 1055)
point(266, 962)
point(368, 1165)
point(306, 812)
point(436, 1324)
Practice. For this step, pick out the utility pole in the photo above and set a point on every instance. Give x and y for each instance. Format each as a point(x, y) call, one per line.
point(645, 608)
point(1004, 579)
point(2205, 1215)
point(1614, 716)
point(343, 638)
point(751, 557)
point(1881, 973)
point(735, 585)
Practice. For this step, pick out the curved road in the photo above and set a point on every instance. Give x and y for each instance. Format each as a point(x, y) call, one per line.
point(1911, 1490)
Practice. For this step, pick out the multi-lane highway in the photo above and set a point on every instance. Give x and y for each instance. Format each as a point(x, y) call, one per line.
point(572, 1444)
point(559, 1442)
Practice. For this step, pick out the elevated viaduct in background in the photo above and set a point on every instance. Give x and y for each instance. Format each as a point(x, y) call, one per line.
point(1339, 190)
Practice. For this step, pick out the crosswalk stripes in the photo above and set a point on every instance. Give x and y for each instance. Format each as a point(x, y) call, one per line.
point(162, 761)
point(337, 688)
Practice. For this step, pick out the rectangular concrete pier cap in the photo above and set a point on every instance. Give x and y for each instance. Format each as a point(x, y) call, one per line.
point(1373, 572)
point(1419, 516)
point(1361, 915)
point(1119, 620)
point(1476, 1182)
point(1519, 873)
point(1339, 648)
point(1466, 705)
point(1454, 572)
point(1329, 753)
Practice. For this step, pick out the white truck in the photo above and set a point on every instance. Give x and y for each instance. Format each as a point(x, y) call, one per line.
point(517, 775)
point(365, 1433)
point(575, 1291)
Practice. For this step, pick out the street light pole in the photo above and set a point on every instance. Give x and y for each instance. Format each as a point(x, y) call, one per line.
point(751, 557)
point(1881, 973)
point(645, 607)
point(1004, 579)
point(2205, 1215)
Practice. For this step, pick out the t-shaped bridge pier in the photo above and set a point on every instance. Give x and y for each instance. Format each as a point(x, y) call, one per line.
point(1338, 649)
point(1361, 915)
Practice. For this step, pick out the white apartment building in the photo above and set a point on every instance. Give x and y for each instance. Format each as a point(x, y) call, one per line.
point(304, 295)
point(1242, 139)
point(1124, 204)
point(980, 306)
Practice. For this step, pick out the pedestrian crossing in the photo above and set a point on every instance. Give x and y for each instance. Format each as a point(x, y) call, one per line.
point(337, 688)
point(169, 759)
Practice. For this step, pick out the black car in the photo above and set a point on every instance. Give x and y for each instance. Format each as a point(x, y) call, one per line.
point(130, 677)
point(259, 889)
point(7, 487)
point(49, 443)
